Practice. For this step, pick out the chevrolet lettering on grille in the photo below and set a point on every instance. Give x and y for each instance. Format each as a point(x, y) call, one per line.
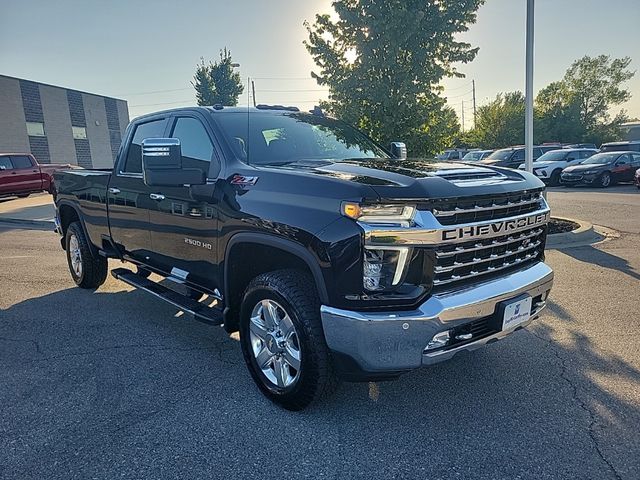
point(492, 229)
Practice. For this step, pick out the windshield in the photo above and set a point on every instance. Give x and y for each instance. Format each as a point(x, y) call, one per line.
point(601, 158)
point(552, 156)
point(281, 138)
point(504, 154)
point(472, 156)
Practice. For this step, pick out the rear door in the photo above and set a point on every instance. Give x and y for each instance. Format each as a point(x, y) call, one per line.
point(26, 175)
point(622, 171)
point(184, 228)
point(128, 196)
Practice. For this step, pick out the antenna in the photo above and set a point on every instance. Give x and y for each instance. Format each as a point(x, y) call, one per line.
point(248, 114)
point(253, 90)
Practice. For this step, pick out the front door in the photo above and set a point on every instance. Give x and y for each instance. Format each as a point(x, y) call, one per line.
point(184, 228)
point(6, 175)
point(26, 174)
point(128, 196)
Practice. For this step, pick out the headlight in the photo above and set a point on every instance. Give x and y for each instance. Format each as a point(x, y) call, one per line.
point(383, 267)
point(400, 215)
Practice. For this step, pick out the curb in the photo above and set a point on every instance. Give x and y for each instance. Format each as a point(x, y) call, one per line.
point(585, 234)
point(28, 224)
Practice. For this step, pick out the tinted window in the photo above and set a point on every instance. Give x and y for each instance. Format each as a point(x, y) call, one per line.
point(518, 156)
point(636, 159)
point(5, 163)
point(623, 160)
point(21, 161)
point(154, 129)
point(196, 145)
point(280, 138)
point(501, 154)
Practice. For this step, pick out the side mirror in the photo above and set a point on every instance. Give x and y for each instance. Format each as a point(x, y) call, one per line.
point(398, 150)
point(162, 164)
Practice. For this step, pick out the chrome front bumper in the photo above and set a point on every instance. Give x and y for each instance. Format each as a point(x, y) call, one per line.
point(370, 344)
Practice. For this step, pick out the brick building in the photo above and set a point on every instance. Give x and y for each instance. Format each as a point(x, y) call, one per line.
point(60, 125)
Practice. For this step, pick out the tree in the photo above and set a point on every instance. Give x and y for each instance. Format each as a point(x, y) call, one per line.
point(217, 82)
point(574, 109)
point(383, 62)
point(595, 84)
point(499, 123)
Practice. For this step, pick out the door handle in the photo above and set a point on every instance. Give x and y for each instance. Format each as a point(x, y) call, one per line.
point(114, 190)
point(156, 196)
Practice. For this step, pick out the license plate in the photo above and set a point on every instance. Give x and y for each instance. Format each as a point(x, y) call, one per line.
point(516, 313)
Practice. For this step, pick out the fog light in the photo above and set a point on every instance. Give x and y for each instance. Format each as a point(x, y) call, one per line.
point(439, 340)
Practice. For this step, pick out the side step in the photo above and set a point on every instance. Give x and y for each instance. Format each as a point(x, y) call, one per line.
point(200, 312)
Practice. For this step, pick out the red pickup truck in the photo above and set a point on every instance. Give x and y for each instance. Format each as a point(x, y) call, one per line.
point(21, 174)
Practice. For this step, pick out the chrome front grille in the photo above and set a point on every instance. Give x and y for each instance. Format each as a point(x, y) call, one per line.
point(482, 208)
point(473, 259)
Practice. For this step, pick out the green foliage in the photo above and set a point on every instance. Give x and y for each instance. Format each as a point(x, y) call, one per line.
point(383, 62)
point(574, 109)
point(499, 123)
point(217, 82)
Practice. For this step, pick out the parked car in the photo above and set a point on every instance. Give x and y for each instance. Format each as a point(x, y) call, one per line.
point(603, 169)
point(452, 154)
point(512, 157)
point(22, 175)
point(550, 165)
point(628, 146)
point(476, 155)
point(636, 179)
point(333, 258)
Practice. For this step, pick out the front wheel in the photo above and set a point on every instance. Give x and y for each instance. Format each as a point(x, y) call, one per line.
point(554, 179)
point(282, 339)
point(605, 180)
point(87, 270)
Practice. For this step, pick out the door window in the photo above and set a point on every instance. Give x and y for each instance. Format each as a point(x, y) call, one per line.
point(5, 163)
point(585, 154)
point(623, 160)
point(197, 147)
point(153, 129)
point(636, 159)
point(21, 162)
point(518, 156)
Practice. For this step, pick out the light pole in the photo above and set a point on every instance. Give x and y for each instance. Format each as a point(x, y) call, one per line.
point(528, 121)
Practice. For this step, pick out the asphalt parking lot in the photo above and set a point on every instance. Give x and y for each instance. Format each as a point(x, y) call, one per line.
point(116, 384)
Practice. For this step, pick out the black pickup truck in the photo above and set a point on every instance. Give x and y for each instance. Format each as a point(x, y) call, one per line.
point(333, 257)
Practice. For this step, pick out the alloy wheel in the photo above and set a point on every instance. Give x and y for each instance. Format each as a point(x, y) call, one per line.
point(275, 344)
point(75, 256)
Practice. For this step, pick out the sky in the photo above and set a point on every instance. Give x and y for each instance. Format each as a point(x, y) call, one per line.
point(145, 51)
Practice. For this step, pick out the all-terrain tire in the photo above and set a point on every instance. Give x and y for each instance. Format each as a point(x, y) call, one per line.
point(92, 271)
point(295, 292)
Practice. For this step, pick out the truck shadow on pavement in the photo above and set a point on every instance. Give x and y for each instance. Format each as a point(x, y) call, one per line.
point(83, 372)
point(596, 256)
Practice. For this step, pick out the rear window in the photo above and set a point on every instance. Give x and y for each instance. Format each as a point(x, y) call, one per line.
point(21, 161)
point(5, 163)
point(621, 147)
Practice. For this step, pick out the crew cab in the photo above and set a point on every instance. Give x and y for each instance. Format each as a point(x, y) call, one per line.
point(549, 166)
point(22, 175)
point(334, 257)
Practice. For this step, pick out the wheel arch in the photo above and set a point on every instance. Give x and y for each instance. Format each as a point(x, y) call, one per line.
point(69, 213)
point(257, 251)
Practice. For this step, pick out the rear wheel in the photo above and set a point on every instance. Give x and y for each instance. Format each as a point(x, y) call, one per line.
point(605, 180)
point(282, 339)
point(87, 270)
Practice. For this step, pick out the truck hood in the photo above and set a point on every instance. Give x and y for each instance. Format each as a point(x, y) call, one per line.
point(421, 178)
